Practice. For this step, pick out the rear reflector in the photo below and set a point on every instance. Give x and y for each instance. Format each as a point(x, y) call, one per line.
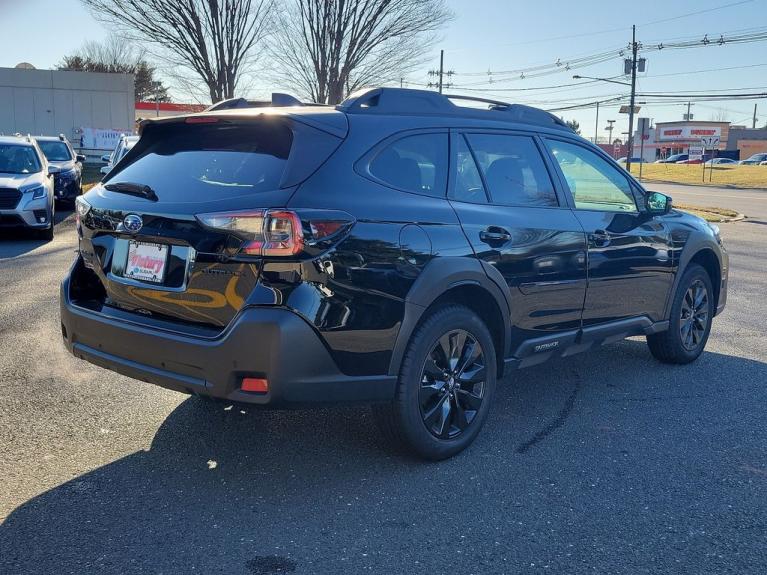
point(254, 384)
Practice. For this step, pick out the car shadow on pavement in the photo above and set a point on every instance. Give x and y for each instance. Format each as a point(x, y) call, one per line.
point(15, 242)
point(230, 492)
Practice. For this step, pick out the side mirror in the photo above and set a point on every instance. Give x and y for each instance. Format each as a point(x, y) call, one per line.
point(657, 203)
point(53, 170)
point(80, 158)
point(105, 158)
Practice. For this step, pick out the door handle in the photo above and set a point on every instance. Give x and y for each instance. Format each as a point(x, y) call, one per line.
point(495, 236)
point(600, 238)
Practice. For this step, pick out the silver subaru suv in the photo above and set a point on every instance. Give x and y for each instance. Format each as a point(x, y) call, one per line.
point(26, 186)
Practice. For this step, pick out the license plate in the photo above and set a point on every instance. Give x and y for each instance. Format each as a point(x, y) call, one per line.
point(146, 262)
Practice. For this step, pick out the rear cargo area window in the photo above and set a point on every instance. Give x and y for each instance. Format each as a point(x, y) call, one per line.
point(198, 162)
point(415, 163)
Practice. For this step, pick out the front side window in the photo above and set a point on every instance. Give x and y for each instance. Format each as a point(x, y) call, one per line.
point(514, 171)
point(594, 183)
point(15, 159)
point(416, 163)
point(55, 151)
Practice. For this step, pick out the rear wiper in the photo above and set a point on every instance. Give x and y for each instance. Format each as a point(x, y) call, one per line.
point(141, 190)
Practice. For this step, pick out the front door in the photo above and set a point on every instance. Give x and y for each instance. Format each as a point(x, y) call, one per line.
point(629, 251)
point(502, 190)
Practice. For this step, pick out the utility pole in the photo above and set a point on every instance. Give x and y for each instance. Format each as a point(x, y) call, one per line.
point(440, 73)
point(441, 68)
point(753, 123)
point(610, 135)
point(634, 49)
point(596, 126)
point(688, 116)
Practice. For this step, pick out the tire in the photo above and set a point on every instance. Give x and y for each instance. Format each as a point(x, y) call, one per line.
point(417, 420)
point(47, 234)
point(689, 326)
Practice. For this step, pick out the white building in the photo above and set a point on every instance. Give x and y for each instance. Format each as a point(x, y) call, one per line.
point(52, 102)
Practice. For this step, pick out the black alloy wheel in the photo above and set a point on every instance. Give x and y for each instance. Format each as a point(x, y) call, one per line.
point(452, 384)
point(445, 387)
point(694, 316)
point(692, 310)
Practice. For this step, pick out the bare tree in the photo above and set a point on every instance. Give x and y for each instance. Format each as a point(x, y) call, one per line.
point(114, 55)
point(328, 48)
point(212, 39)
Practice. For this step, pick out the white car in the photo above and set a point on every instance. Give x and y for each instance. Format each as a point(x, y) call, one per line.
point(122, 148)
point(26, 186)
point(721, 162)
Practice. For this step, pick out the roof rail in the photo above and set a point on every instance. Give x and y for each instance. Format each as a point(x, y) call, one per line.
point(409, 101)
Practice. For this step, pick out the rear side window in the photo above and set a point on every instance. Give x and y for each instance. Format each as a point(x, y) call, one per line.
point(196, 162)
point(468, 185)
point(514, 171)
point(416, 163)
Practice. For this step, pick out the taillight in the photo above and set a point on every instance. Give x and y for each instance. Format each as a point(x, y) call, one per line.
point(278, 233)
point(283, 234)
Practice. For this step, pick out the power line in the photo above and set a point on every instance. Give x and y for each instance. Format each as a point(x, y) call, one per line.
point(696, 13)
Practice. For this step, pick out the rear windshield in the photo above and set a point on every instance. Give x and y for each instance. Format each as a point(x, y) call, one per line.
point(55, 151)
point(16, 159)
point(195, 162)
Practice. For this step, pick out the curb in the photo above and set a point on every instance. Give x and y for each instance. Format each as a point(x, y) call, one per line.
point(699, 185)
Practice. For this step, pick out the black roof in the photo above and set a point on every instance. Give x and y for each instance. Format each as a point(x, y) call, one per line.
point(423, 102)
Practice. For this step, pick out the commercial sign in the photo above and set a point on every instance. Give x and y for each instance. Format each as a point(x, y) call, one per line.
point(695, 152)
point(673, 133)
point(96, 139)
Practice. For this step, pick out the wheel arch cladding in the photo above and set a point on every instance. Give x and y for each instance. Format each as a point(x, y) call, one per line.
point(460, 280)
point(707, 259)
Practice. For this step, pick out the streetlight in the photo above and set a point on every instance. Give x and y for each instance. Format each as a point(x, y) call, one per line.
point(577, 77)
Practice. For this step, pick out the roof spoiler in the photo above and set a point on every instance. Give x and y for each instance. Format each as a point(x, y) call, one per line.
point(279, 100)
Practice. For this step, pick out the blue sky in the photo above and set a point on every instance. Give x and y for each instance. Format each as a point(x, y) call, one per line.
point(497, 35)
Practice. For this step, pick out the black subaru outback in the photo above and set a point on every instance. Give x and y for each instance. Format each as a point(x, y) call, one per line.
point(397, 249)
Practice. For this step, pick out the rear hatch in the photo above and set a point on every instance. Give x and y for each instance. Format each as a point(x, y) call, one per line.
point(167, 232)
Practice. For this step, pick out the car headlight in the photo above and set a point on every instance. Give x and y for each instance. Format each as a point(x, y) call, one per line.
point(715, 229)
point(82, 207)
point(39, 192)
point(68, 175)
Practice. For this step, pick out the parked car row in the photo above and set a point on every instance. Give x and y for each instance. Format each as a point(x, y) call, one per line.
point(34, 174)
point(123, 147)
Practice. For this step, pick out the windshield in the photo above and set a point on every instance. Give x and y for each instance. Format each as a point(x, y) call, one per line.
point(15, 159)
point(195, 163)
point(55, 151)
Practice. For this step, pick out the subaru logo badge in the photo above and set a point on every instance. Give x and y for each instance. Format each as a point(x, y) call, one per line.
point(133, 223)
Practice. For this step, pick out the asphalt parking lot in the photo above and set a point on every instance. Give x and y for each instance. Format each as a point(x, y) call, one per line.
point(605, 463)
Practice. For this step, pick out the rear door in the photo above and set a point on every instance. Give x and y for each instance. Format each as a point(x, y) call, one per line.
point(502, 190)
point(629, 251)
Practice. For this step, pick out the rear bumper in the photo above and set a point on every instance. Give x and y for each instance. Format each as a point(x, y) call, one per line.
point(272, 343)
